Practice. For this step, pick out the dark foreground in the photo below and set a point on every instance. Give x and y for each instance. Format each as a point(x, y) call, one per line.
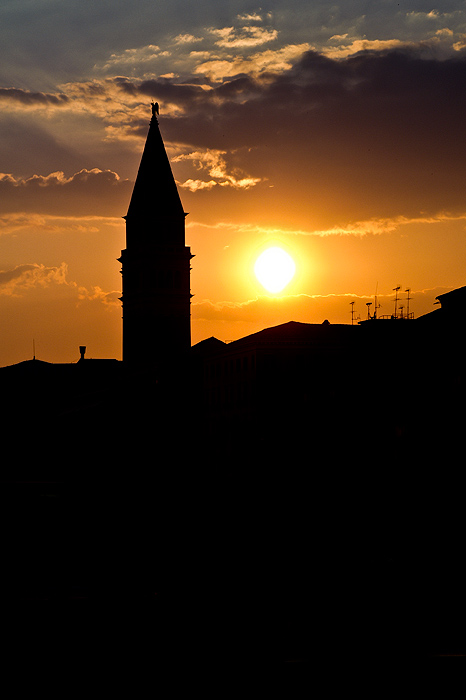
point(133, 550)
point(203, 569)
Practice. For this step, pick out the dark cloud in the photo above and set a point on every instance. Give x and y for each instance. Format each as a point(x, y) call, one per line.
point(88, 192)
point(28, 145)
point(62, 40)
point(164, 90)
point(30, 98)
point(58, 41)
point(379, 134)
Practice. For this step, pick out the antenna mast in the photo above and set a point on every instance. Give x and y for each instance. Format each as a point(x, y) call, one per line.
point(396, 290)
point(407, 299)
point(352, 311)
point(376, 305)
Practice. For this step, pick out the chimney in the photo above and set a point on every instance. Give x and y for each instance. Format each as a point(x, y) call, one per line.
point(82, 351)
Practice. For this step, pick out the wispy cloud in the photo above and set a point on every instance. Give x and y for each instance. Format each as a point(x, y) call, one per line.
point(96, 294)
point(45, 224)
point(431, 15)
point(310, 308)
point(440, 41)
point(250, 17)
point(214, 162)
point(370, 227)
point(343, 48)
point(132, 57)
point(307, 308)
point(17, 281)
point(195, 185)
point(187, 39)
point(25, 278)
point(268, 61)
point(244, 37)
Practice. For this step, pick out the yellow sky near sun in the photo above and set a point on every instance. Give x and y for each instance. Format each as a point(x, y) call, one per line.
point(65, 305)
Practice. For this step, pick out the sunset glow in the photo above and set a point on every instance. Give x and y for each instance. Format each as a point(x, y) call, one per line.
point(274, 269)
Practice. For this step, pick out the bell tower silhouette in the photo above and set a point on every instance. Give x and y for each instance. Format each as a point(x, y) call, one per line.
point(156, 264)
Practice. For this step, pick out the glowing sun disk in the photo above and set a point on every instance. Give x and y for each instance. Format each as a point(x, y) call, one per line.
point(274, 269)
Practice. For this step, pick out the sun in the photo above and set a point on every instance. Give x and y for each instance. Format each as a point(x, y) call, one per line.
point(274, 269)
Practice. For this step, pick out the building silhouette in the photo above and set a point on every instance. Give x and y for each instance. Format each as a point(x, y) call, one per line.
point(155, 265)
point(292, 368)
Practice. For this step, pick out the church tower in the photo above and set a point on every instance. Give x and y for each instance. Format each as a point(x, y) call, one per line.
point(156, 264)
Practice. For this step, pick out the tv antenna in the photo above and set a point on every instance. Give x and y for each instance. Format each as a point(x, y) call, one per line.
point(376, 305)
point(396, 290)
point(408, 299)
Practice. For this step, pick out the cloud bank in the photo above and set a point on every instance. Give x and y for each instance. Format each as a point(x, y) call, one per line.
point(86, 193)
point(321, 144)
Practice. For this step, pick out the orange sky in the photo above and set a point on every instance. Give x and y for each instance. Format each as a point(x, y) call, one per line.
point(343, 142)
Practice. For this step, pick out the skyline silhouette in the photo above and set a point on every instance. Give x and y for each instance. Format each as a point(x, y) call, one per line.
point(232, 476)
point(339, 140)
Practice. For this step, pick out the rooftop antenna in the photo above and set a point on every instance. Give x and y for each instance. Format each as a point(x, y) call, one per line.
point(407, 299)
point(352, 312)
point(368, 304)
point(396, 290)
point(376, 306)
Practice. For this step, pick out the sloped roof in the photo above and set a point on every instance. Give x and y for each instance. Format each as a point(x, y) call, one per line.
point(295, 332)
point(208, 346)
point(456, 297)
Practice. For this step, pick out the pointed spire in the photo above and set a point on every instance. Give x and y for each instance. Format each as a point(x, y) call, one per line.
point(155, 195)
point(155, 264)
